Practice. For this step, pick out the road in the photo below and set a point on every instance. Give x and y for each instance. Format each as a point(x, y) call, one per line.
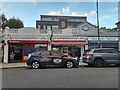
point(82, 77)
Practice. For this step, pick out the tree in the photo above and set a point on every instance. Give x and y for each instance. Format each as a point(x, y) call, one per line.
point(14, 23)
point(3, 21)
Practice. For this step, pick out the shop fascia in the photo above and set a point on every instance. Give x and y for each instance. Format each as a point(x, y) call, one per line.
point(80, 38)
point(103, 38)
point(90, 38)
point(29, 37)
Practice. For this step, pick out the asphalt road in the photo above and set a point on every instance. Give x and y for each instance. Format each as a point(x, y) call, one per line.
point(83, 77)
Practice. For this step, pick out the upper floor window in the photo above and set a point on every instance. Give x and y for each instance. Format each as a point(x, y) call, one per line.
point(55, 27)
point(76, 20)
point(50, 19)
point(44, 26)
point(54, 19)
point(48, 26)
point(63, 24)
point(46, 19)
point(39, 27)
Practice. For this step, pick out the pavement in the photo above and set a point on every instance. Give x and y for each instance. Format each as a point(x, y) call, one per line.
point(12, 65)
point(20, 65)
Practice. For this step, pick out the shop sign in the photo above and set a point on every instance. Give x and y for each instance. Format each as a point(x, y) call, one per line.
point(103, 38)
point(29, 37)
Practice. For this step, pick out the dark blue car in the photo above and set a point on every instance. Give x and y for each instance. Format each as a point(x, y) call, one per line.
point(51, 58)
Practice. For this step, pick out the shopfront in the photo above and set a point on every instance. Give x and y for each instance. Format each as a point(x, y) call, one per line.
point(72, 47)
point(20, 49)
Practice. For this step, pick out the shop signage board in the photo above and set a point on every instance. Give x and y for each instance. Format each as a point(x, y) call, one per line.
point(103, 38)
point(77, 38)
point(90, 38)
point(29, 37)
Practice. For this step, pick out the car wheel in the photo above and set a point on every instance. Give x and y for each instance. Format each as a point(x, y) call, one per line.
point(35, 65)
point(69, 64)
point(99, 63)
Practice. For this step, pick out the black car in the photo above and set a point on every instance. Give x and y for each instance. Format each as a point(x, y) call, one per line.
point(51, 58)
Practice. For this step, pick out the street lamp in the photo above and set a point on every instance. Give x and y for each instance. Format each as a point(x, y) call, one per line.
point(119, 38)
point(3, 25)
point(50, 40)
point(98, 25)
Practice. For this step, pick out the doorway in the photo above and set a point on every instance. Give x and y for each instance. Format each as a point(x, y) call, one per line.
point(27, 49)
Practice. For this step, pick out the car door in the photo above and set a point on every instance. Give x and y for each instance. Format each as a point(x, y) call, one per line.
point(55, 58)
point(45, 60)
point(113, 54)
point(107, 55)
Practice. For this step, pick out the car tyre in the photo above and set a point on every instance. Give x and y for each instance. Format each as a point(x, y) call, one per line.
point(35, 65)
point(99, 63)
point(69, 64)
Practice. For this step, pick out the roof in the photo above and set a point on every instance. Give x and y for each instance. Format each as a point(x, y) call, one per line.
point(63, 16)
point(118, 22)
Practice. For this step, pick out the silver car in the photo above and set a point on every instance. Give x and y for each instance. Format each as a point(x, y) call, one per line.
point(101, 56)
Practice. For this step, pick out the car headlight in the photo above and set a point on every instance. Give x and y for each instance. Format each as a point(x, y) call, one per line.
point(76, 58)
point(29, 55)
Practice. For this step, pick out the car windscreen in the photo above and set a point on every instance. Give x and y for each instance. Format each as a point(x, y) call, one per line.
point(51, 53)
point(55, 53)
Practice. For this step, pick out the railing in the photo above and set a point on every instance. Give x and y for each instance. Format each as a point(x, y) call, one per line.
point(13, 31)
point(57, 32)
point(43, 31)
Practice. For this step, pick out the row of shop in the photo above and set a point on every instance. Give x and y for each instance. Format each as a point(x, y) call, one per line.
point(18, 43)
point(18, 50)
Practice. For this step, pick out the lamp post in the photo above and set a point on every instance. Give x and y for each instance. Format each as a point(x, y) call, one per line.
point(118, 29)
point(3, 25)
point(98, 25)
point(50, 41)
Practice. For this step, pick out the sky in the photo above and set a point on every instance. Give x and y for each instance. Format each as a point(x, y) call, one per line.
point(29, 12)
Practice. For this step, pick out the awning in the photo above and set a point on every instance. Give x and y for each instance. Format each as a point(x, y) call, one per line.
point(69, 42)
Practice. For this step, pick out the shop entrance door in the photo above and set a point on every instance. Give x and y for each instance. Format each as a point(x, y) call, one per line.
point(27, 49)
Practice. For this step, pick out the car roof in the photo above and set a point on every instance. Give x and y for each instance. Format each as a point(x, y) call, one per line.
point(102, 48)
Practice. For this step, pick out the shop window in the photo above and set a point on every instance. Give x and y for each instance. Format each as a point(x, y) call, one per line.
point(40, 47)
point(15, 52)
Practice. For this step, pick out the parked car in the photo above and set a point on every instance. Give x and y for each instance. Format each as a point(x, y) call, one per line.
point(101, 56)
point(51, 58)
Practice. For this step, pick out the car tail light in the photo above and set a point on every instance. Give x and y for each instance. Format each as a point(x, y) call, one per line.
point(89, 55)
